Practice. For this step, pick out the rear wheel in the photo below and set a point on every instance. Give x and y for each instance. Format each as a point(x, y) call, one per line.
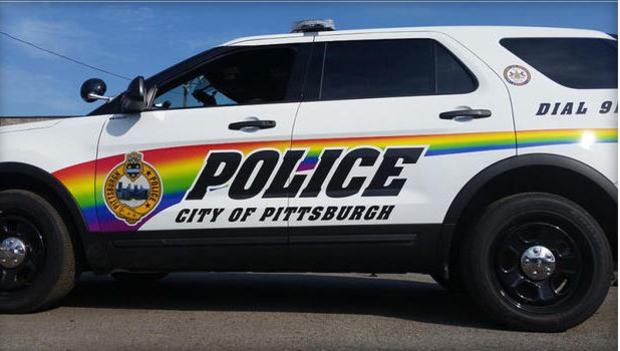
point(37, 263)
point(537, 262)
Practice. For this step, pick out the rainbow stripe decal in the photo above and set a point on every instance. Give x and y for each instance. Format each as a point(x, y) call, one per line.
point(179, 166)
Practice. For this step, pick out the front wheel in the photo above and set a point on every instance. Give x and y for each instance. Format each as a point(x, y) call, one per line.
point(537, 262)
point(452, 284)
point(37, 262)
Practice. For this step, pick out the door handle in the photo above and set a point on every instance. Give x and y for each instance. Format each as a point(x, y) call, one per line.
point(252, 124)
point(465, 114)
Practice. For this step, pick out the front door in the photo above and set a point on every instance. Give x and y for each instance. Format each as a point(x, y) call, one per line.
point(200, 159)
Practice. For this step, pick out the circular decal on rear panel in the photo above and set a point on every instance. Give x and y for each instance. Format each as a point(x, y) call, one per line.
point(132, 189)
point(517, 75)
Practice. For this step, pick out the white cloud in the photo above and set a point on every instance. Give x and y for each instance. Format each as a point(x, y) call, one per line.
point(131, 18)
point(61, 37)
point(36, 93)
point(66, 38)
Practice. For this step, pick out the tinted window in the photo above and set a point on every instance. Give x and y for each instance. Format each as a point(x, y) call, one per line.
point(451, 77)
point(247, 77)
point(384, 68)
point(581, 63)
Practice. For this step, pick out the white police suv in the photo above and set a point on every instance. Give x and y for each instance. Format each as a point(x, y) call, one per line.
point(485, 156)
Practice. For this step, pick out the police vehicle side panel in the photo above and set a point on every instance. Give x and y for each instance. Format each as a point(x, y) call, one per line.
point(403, 238)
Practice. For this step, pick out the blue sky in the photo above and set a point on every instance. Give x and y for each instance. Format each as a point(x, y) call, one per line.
point(143, 38)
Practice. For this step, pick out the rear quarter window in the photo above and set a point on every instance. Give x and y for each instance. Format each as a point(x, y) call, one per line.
point(580, 63)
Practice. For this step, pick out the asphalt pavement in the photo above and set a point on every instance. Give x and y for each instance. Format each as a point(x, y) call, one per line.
point(243, 311)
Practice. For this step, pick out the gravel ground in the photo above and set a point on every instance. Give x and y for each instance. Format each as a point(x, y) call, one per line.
point(242, 311)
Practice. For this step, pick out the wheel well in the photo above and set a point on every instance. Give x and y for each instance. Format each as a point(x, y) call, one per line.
point(34, 184)
point(540, 178)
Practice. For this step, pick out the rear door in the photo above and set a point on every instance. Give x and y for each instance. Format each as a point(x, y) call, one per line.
point(385, 148)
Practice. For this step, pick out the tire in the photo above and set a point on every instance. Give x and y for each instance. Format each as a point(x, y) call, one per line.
point(452, 284)
point(48, 271)
point(575, 287)
point(132, 277)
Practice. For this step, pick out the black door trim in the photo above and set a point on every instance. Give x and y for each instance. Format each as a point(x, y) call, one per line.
point(345, 248)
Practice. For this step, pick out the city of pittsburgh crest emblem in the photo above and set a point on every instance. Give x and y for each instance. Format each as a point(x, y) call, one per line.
point(132, 189)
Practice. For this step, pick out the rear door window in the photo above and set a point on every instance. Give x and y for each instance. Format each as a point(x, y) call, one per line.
point(390, 68)
point(580, 63)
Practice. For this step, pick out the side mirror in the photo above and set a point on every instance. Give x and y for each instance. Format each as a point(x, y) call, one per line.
point(137, 98)
point(134, 99)
point(93, 90)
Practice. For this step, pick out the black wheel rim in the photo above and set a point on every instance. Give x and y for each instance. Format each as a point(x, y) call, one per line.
point(543, 294)
point(23, 275)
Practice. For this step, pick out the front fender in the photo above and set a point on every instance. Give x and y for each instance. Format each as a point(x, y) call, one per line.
point(21, 175)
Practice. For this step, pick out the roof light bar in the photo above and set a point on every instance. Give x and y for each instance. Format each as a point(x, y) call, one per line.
point(318, 25)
